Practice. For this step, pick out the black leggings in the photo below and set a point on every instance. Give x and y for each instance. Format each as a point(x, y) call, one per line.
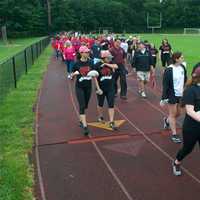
point(165, 59)
point(190, 138)
point(110, 96)
point(83, 95)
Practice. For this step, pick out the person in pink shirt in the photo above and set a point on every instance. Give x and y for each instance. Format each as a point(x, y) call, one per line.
point(69, 55)
point(55, 45)
point(76, 43)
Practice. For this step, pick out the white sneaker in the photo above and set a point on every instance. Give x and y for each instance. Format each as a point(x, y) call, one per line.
point(143, 94)
point(69, 76)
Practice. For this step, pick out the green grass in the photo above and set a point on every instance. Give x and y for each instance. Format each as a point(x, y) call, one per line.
point(16, 134)
point(187, 44)
point(15, 46)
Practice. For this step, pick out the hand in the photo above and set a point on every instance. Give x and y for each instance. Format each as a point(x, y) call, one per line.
point(152, 71)
point(163, 102)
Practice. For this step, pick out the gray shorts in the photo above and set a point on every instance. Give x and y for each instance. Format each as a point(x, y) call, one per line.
point(143, 76)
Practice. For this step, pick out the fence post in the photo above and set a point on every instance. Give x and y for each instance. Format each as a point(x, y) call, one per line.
point(32, 54)
point(25, 60)
point(14, 72)
point(37, 49)
point(40, 46)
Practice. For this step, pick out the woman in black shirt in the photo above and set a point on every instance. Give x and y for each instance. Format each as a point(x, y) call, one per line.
point(106, 82)
point(83, 84)
point(165, 53)
point(191, 125)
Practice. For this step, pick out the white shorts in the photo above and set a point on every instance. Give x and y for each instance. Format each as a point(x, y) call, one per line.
point(143, 76)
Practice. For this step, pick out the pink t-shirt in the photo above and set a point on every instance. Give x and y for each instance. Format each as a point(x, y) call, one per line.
point(69, 53)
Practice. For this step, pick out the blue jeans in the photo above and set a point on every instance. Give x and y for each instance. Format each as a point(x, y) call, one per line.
point(70, 65)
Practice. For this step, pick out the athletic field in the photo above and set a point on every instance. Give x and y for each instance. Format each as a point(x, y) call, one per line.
point(188, 44)
point(14, 46)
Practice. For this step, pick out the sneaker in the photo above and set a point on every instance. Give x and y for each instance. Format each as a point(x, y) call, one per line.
point(143, 94)
point(176, 139)
point(101, 119)
point(113, 126)
point(165, 123)
point(80, 124)
point(139, 92)
point(85, 131)
point(123, 97)
point(176, 169)
point(69, 76)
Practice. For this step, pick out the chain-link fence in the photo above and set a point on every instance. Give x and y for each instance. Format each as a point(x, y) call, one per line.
point(14, 67)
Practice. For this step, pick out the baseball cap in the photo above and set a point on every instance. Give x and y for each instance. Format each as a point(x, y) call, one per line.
point(84, 49)
point(105, 54)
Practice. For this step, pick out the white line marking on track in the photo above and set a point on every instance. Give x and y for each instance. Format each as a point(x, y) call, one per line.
point(121, 185)
point(41, 183)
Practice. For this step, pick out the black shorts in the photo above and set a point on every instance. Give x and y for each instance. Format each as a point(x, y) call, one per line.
point(110, 97)
point(175, 100)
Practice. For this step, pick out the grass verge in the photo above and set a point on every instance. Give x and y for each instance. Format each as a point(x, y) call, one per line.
point(16, 134)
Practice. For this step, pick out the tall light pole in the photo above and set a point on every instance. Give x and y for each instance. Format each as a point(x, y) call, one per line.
point(49, 13)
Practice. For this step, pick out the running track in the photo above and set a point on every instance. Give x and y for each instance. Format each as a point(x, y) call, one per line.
point(133, 163)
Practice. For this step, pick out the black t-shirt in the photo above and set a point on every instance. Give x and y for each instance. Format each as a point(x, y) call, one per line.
point(96, 51)
point(153, 51)
point(165, 49)
point(83, 68)
point(105, 77)
point(192, 97)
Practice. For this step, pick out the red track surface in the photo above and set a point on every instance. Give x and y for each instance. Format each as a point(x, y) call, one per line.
point(133, 163)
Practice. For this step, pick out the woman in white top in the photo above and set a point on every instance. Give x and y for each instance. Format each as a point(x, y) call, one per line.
point(174, 79)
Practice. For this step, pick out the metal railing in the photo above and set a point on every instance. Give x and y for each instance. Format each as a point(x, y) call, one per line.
point(12, 68)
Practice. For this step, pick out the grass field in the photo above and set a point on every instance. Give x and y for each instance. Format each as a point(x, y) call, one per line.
point(187, 44)
point(16, 134)
point(15, 46)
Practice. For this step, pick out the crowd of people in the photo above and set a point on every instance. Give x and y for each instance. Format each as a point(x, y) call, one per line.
point(105, 60)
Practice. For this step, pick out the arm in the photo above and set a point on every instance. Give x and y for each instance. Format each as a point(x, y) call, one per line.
point(113, 66)
point(191, 112)
point(165, 83)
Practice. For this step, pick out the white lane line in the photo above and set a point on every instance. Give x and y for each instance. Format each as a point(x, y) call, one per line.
point(41, 183)
point(116, 178)
point(157, 146)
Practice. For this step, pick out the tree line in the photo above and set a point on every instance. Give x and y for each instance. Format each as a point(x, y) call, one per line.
point(39, 17)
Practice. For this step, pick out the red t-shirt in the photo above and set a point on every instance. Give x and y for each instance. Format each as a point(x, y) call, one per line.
point(69, 53)
point(118, 55)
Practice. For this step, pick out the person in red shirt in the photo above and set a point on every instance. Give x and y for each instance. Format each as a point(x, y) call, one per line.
point(69, 55)
point(55, 45)
point(119, 57)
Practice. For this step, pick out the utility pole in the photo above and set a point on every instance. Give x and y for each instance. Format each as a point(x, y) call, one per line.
point(49, 13)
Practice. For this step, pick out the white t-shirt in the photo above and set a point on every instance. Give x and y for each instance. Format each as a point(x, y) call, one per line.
point(124, 45)
point(178, 80)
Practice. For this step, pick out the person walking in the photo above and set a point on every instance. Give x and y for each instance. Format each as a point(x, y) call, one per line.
point(69, 55)
point(165, 53)
point(143, 63)
point(106, 68)
point(191, 124)
point(174, 79)
point(119, 58)
point(83, 86)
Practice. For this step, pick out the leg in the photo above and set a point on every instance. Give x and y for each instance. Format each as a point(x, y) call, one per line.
point(100, 99)
point(81, 102)
point(115, 77)
point(98, 89)
point(123, 82)
point(189, 140)
point(110, 100)
point(172, 117)
point(173, 109)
